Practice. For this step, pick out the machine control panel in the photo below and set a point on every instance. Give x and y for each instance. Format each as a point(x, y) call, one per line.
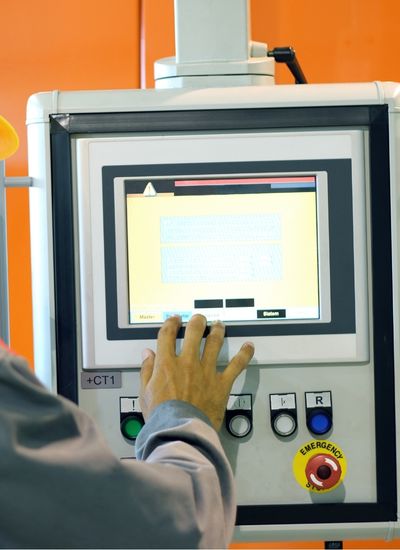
point(302, 206)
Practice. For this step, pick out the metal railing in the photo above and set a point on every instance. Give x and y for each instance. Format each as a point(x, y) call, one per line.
point(4, 295)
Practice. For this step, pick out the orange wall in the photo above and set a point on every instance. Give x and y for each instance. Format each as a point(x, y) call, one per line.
point(66, 45)
point(340, 41)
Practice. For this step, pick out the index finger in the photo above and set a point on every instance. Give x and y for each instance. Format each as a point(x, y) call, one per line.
point(166, 340)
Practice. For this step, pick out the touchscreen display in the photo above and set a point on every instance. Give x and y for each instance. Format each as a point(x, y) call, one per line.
point(233, 248)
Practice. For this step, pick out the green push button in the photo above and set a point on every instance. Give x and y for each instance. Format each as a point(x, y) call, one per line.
point(131, 426)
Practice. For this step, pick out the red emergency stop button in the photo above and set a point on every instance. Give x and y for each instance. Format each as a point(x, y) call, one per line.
point(319, 466)
point(323, 471)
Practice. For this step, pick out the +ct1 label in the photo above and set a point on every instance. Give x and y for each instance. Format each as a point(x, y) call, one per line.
point(101, 380)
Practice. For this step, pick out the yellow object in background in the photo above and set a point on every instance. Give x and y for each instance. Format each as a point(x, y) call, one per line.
point(9, 141)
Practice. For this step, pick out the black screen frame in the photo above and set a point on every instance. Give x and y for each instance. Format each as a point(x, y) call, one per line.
point(340, 210)
point(63, 128)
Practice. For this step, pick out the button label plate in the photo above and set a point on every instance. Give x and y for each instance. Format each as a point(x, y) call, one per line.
point(318, 399)
point(129, 405)
point(239, 402)
point(280, 401)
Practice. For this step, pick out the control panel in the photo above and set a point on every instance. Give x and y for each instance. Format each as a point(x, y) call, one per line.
point(299, 419)
point(317, 465)
point(297, 440)
point(272, 209)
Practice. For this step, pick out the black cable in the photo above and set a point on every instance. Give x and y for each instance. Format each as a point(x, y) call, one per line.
point(287, 55)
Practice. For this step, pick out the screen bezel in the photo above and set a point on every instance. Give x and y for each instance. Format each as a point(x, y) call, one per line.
point(335, 247)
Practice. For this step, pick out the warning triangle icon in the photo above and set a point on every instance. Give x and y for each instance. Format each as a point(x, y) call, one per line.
point(149, 190)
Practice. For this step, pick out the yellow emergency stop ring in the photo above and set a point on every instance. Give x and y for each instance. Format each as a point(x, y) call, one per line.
point(310, 450)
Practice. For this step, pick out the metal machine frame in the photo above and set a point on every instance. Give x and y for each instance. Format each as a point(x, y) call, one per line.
point(64, 125)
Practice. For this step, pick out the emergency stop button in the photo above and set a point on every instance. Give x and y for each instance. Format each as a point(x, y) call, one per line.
point(323, 471)
point(319, 465)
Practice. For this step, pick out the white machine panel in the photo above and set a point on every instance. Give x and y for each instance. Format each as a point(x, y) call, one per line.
point(275, 210)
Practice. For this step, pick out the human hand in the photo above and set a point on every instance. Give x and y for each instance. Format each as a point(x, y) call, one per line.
point(190, 377)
